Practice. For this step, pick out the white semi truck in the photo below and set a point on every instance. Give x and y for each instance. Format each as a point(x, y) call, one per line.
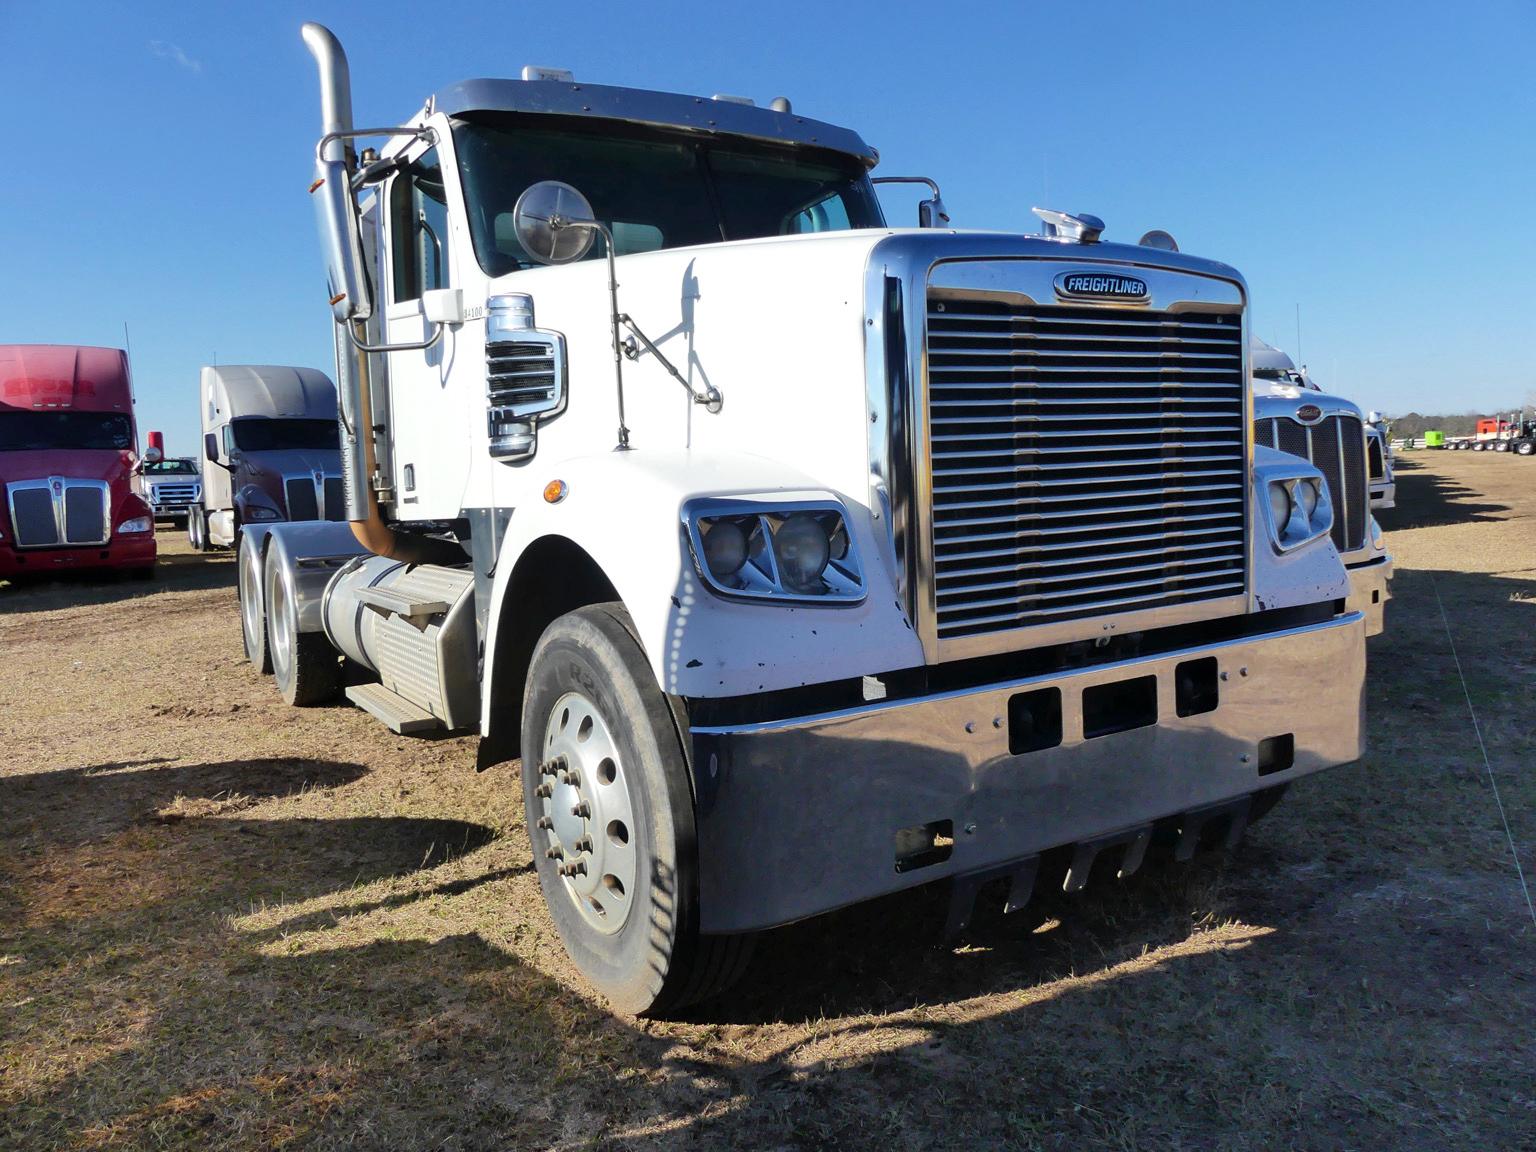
point(799, 558)
point(269, 450)
point(1292, 414)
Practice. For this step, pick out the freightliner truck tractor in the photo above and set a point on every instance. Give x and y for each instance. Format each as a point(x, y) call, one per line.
point(1292, 415)
point(798, 558)
point(270, 450)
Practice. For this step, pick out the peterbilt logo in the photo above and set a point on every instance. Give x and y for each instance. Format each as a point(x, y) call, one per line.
point(1101, 286)
point(1309, 414)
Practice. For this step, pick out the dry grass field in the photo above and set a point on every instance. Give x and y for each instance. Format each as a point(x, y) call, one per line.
point(229, 924)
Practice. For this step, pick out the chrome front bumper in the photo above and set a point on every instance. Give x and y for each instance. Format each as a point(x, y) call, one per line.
point(1383, 496)
point(798, 817)
point(1370, 587)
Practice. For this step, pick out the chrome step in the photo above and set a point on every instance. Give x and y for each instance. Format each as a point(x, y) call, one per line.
point(396, 712)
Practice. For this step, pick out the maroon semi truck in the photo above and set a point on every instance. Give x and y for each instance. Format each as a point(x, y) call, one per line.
point(68, 445)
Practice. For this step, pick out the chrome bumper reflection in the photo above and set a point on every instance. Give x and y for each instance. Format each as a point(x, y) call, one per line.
point(798, 817)
point(1370, 587)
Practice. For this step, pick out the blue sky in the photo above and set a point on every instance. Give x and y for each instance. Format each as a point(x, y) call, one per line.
point(1372, 163)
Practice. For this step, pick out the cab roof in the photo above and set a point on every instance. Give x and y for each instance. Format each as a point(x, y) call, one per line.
point(64, 376)
point(699, 114)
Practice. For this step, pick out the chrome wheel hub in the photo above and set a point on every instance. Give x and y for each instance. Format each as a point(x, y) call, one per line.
point(586, 818)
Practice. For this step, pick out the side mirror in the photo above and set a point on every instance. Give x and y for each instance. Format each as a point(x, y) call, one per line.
point(932, 214)
point(554, 222)
point(336, 221)
point(211, 450)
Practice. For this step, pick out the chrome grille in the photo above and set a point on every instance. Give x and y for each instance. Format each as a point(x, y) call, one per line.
point(59, 512)
point(1336, 446)
point(1375, 466)
point(524, 380)
point(174, 495)
point(1086, 461)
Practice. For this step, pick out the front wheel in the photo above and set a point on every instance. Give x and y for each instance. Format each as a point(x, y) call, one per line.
point(197, 530)
point(610, 817)
point(1525, 447)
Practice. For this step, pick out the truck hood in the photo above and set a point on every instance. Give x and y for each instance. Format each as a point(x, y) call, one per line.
point(290, 462)
point(84, 464)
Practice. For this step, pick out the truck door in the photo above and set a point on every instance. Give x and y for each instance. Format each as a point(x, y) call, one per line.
point(424, 416)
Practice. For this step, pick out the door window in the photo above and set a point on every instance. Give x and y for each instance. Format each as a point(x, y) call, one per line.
point(418, 223)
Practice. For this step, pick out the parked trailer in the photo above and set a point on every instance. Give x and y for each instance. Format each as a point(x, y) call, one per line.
point(68, 442)
point(270, 450)
point(710, 498)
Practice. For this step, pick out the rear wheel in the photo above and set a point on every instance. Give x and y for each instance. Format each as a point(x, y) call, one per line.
point(1525, 447)
point(610, 816)
point(253, 609)
point(305, 666)
point(197, 530)
point(1501, 446)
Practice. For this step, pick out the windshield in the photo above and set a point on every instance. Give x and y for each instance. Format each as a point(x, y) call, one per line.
point(170, 468)
point(22, 431)
point(259, 434)
point(654, 189)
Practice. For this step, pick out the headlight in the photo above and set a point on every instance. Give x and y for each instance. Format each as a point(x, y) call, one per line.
point(261, 512)
point(1299, 511)
point(801, 551)
point(137, 524)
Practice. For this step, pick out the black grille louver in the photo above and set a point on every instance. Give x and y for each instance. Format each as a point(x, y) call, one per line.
point(84, 516)
point(34, 522)
point(1336, 447)
point(1086, 461)
point(1375, 466)
point(523, 381)
point(335, 499)
point(302, 504)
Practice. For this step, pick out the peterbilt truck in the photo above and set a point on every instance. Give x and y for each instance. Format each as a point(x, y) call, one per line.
point(1293, 415)
point(68, 444)
point(797, 558)
point(269, 453)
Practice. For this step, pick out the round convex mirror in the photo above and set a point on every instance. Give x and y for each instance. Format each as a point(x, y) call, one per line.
point(1159, 239)
point(552, 200)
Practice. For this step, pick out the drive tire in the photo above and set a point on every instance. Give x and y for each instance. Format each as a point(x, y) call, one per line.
point(1501, 446)
point(197, 530)
point(1525, 448)
point(253, 610)
point(304, 665)
point(656, 960)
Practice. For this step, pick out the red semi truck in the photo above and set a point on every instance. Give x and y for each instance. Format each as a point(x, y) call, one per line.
point(68, 445)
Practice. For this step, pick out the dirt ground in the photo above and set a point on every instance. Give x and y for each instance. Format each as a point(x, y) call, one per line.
point(225, 923)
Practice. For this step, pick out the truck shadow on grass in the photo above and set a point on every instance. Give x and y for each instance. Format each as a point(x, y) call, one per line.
point(180, 572)
point(1427, 499)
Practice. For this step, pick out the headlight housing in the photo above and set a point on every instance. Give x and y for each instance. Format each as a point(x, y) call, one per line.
point(1300, 511)
point(254, 512)
point(137, 524)
point(800, 551)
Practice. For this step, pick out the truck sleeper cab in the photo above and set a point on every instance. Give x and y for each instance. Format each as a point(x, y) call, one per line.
point(269, 450)
point(788, 550)
point(68, 443)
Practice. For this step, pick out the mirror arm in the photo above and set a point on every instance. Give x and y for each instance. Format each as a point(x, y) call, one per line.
point(421, 133)
point(710, 397)
point(933, 185)
point(411, 346)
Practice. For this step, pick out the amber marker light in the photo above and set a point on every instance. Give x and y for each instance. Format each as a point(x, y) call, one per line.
point(555, 491)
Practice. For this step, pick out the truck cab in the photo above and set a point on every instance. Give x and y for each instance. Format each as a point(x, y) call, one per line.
point(795, 558)
point(1292, 414)
point(68, 445)
point(269, 452)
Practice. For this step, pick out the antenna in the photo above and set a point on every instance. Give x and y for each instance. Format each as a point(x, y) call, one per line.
point(127, 344)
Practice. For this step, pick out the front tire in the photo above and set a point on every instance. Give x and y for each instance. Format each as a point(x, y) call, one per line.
point(197, 530)
point(610, 817)
point(1525, 448)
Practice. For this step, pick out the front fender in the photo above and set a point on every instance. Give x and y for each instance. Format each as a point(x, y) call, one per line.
point(624, 509)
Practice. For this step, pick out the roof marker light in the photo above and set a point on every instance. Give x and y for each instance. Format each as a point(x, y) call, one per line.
point(537, 72)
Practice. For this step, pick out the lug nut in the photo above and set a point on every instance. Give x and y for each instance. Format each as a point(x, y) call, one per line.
point(582, 845)
point(551, 767)
point(544, 791)
point(582, 810)
point(573, 778)
point(555, 853)
point(545, 823)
